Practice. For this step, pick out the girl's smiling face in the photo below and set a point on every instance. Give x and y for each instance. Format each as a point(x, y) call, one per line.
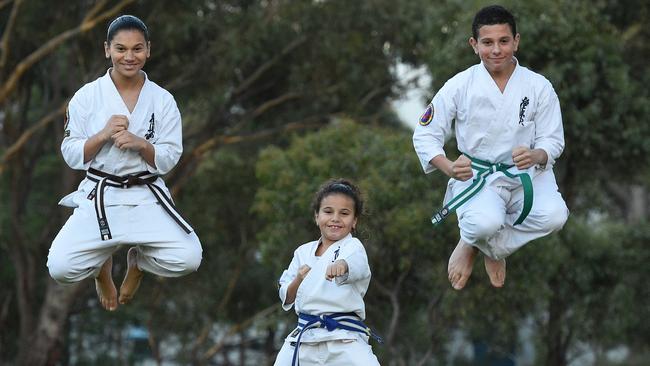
point(336, 217)
point(128, 51)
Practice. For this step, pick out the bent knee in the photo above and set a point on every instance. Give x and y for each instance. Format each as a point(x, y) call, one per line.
point(183, 263)
point(553, 218)
point(557, 218)
point(67, 267)
point(61, 271)
point(194, 256)
point(58, 268)
point(477, 227)
point(58, 264)
point(193, 261)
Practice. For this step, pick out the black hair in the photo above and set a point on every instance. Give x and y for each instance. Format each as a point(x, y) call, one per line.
point(493, 14)
point(341, 186)
point(126, 22)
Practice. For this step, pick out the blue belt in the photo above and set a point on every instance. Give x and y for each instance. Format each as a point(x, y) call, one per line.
point(484, 169)
point(347, 321)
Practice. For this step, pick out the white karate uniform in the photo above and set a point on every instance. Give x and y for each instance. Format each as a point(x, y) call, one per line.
point(489, 124)
point(318, 296)
point(133, 213)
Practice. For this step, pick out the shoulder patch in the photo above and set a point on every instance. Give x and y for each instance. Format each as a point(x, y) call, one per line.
point(66, 122)
point(66, 118)
point(427, 116)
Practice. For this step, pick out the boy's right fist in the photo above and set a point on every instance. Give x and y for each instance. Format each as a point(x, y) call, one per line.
point(461, 169)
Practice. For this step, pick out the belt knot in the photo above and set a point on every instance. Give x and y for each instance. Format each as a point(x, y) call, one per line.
point(328, 323)
point(484, 169)
point(144, 178)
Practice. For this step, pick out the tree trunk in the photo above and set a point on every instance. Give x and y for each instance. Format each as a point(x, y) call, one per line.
point(36, 349)
point(638, 200)
point(555, 345)
point(269, 346)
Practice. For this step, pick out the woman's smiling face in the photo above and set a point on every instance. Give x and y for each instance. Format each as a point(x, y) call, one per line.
point(128, 51)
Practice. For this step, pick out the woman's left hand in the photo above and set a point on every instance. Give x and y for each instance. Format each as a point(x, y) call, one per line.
point(126, 140)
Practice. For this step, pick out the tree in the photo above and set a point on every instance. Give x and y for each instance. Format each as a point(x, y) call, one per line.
point(568, 284)
point(603, 99)
point(604, 102)
point(242, 72)
point(31, 102)
point(407, 290)
point(249, 73)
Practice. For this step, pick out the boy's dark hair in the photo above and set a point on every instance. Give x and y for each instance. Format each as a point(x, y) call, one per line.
point(342, 186)
point(493, 14)
point(126, 22)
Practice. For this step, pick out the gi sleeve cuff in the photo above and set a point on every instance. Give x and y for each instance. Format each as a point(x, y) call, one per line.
point(283, 296)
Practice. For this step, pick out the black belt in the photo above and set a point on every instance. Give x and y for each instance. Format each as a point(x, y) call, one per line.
point(138, 179)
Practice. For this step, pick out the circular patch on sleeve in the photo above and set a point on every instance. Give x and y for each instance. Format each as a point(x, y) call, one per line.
point(427, 116)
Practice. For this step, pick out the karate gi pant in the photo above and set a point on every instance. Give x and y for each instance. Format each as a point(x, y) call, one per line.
point(331, 353)
point(163, 247)
point(486, 220)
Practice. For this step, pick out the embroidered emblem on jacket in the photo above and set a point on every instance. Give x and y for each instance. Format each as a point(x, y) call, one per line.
point(336, 253)
point(427, 116)
point(66, 122)
point(522, 110)
point(150, 131)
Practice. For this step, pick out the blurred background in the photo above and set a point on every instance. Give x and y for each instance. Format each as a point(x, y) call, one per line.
point(278, 96)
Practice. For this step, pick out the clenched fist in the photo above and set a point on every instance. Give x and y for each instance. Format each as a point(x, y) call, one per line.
point(115, 124)
point(524, 157)
point(336, 269)
point(461, 169)
point(126, 140)
point(302, 271)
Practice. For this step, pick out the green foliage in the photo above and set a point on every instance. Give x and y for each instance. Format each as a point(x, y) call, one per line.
point(603, 105)
point(398, 194)
point(225, 186)
point(588, 274)
point(235, 68)
point(294, 50)
point(568, 283)
point(226, 289)
point(395, 229)
point(315, 61)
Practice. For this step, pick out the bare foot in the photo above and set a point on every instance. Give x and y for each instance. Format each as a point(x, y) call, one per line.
point(460, 264)
point(105, 286)
point(496, 270)
point(132, 278)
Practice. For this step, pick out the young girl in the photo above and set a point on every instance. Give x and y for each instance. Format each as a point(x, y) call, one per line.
point(325, 282)
point(125, 131)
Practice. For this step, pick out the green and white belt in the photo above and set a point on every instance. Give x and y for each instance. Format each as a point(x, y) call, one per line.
point(484, 169)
